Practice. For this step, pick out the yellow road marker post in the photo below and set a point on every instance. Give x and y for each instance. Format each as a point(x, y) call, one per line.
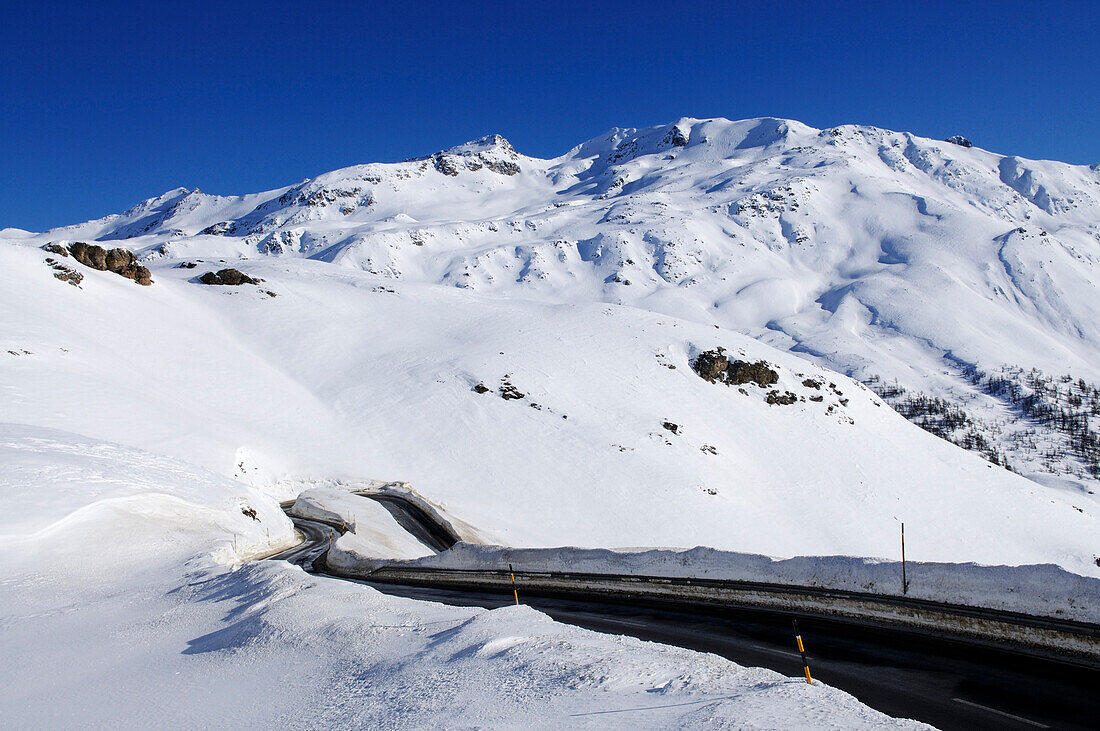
point(515, 593)
point(802, 651)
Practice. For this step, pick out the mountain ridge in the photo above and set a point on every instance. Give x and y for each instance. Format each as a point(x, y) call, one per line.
point(620, 145)
point(925, 264)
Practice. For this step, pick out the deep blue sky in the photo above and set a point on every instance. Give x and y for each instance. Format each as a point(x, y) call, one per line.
point(103, 104)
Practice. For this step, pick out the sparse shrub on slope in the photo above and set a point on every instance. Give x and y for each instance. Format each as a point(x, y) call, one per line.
point(945, 419)
point(1054, 422)
point(1069, 407)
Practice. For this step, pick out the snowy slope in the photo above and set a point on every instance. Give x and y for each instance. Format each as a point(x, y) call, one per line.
point(879, 254)
point(116, 614)
point(338, 377)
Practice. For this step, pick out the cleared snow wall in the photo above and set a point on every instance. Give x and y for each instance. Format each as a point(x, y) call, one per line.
point(1040, 590)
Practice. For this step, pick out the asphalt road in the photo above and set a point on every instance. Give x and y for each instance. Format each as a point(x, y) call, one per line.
point(316, 539)
point(949, 684)
point(410, 517)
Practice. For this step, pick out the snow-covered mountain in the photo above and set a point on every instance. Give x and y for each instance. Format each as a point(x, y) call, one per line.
point(685, 335)
point(957, 282)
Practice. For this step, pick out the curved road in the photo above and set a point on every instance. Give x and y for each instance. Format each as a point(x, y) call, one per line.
point(949, 684)
point(417, 522)
point(316, 538)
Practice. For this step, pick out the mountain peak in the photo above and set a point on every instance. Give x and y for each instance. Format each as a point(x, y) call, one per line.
point(493, 152)
point(488, 143)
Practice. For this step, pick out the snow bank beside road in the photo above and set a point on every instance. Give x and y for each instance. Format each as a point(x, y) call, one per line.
point(404, 491)
point(372, 531)
point(268, 646)
point(53, 483)
point(1044, 590)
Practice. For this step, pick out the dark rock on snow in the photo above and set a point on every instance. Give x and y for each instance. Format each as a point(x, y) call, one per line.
point(219, 229)
point(122, 262)
point(781, 399)
point(676, 138)
point(446, 165)
point(65, 273)
point(759, 373)
point(502, 167)
point(508, 392)
point(228, 277)
point(713, 365)
point(90, 255)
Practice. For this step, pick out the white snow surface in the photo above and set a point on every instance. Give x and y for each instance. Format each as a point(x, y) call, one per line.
point(118, 610)
point(843, 240)
point(337, 377)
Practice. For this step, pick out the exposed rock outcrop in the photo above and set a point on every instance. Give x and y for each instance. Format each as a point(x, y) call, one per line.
point(65, 273)
point(781, 399)
point(675, 137)
point(508, 392)
point(760, 373)
point(228, 277)
point(446, 165)
point(713, 365)
point(90, 255)
point(122, 262)
point(221, 228)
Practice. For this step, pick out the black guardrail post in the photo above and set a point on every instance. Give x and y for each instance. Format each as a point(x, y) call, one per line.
point(904, 578)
